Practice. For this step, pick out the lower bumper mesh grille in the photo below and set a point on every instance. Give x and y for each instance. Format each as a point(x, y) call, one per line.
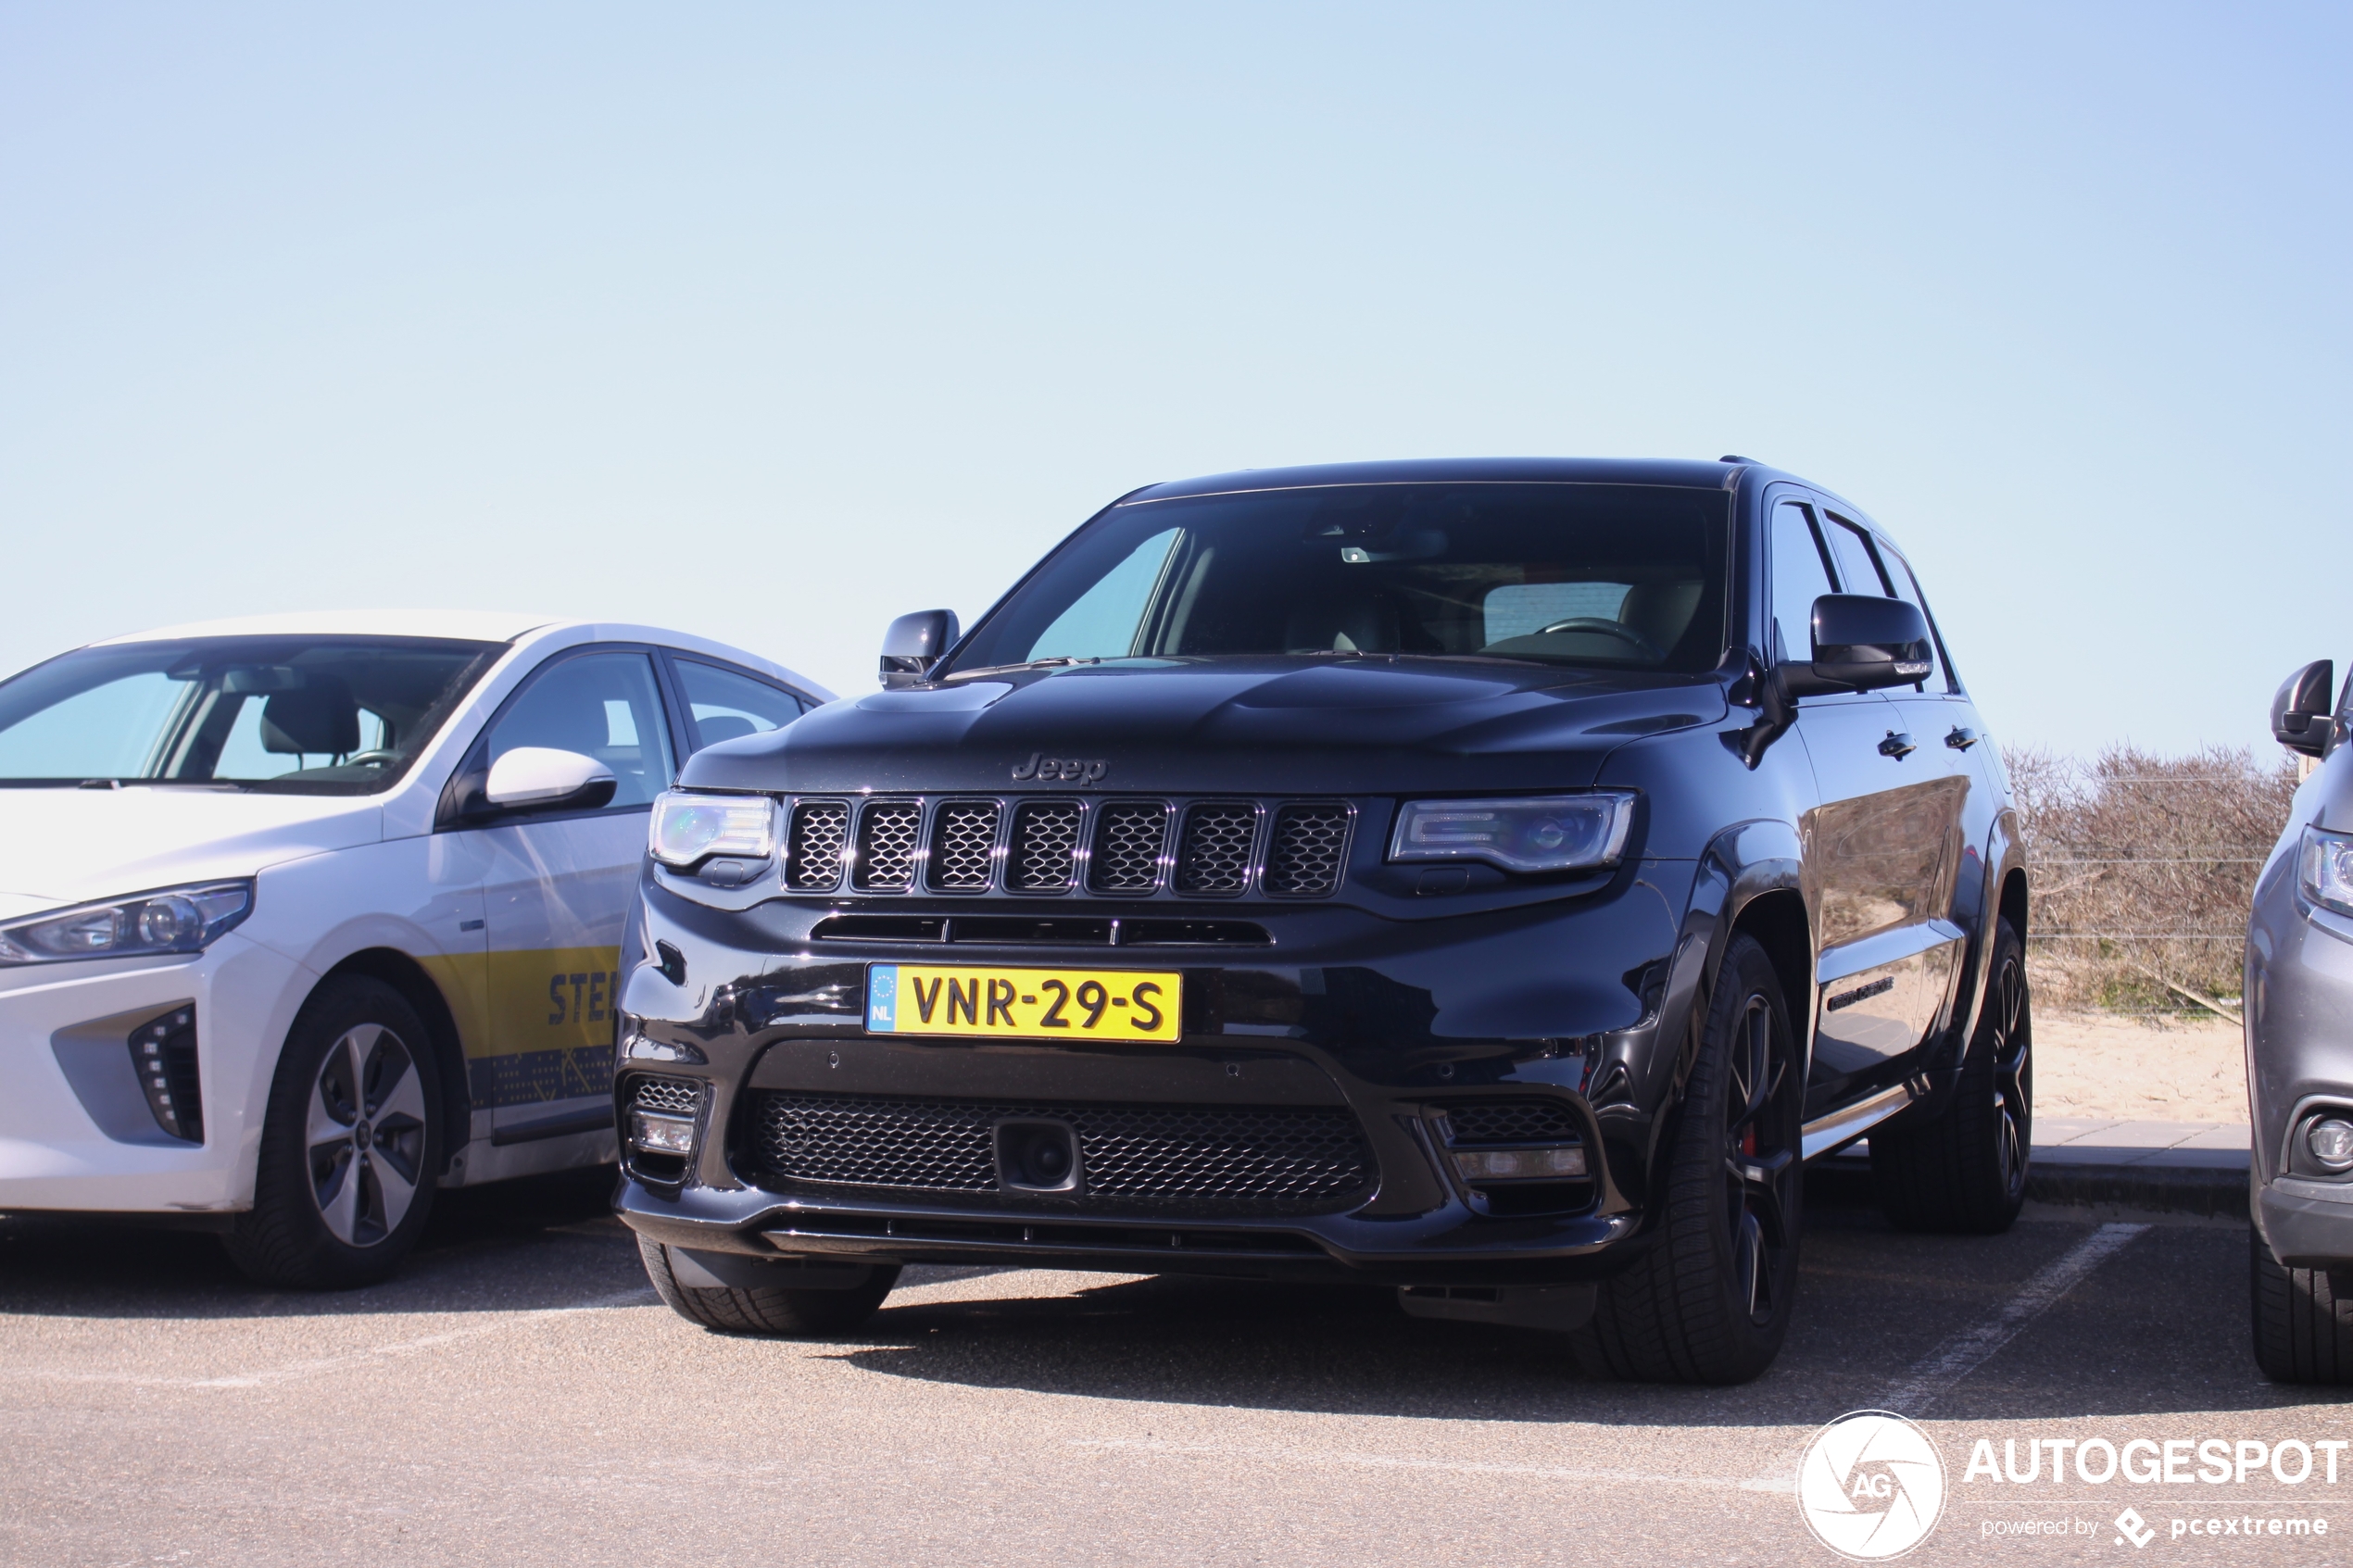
point(1204, 1158)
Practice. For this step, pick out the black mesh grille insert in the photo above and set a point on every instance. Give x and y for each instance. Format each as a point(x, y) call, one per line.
point(1045, 848)
point(1513, 1121)
point(886, 845)
point(1127, 840)
point(964, 839)
point(1306, 856)
point(1215, 855)
point(812, 853)
point(1200, 1157)
point(671, 1096)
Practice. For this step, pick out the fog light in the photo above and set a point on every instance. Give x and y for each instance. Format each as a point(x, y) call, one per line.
point(661, 1134)
point(2331, 1141)
point(1523, 1164)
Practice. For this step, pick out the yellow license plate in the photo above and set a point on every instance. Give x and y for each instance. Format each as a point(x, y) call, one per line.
point(1028, 1004)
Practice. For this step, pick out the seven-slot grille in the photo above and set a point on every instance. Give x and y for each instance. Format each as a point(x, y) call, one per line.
point(1205, 1157)
point(1112, 846)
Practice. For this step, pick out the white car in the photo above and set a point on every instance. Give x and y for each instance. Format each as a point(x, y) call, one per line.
point(303, 917)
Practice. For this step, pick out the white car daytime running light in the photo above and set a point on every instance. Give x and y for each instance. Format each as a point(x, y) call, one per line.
point(2324, 869)
point(687, 828)
point(1557, 833)
point(172, 919)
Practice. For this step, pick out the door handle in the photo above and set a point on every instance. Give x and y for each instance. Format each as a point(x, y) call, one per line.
point(1961, 739)
point(1896, 746)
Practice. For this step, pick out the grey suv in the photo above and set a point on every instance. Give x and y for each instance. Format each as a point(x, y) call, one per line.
point(2299, 1052)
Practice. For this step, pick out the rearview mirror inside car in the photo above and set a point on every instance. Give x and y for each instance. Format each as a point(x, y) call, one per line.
point(2300, 718)
point(542, 778)
point(1861, 642)
point(914, 644)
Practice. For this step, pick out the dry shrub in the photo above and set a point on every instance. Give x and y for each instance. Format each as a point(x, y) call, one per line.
point(2143, 869)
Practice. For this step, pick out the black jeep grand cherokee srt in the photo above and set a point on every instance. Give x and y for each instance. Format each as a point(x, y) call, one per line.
point(1491, 879)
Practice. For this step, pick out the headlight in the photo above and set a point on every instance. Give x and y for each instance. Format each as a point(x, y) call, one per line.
point(2324, 869)
point(174, 920)
point(687, 828)
point(1557, 833)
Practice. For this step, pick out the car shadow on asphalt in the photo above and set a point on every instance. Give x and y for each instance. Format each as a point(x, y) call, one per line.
point(2159, 1327)
point(522, 1246)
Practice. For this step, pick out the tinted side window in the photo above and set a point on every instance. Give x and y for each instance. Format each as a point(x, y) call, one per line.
point(1857, 571)
point(1799, 578)
point(600, 705)
point(724, 704)
point(1907, 588)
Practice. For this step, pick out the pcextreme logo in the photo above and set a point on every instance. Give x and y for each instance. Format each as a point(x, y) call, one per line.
point(1872, 1486)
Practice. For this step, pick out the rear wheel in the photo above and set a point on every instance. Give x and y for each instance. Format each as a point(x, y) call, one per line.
point(1710, 1302)
point(351, 1142)
point(766, 1309)
point(2303, 1328)
point(1966, 1171)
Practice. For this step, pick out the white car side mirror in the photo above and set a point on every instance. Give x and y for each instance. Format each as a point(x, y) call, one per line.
point(541, 776)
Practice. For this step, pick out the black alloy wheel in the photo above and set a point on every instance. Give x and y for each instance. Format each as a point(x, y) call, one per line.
point(1710, 1302)
point(1964, 1173)
point(351, 1142)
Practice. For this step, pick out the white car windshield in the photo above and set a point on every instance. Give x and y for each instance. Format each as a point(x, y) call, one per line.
point(324, 715)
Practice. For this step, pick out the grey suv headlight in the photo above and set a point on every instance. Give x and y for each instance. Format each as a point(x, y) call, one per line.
point(2324, 869)
point(1559, 833)
point(171, 920)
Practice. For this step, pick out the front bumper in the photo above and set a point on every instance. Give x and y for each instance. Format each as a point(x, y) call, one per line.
point(75, 1133)
point(2299, 1045)
point(1395, 1024)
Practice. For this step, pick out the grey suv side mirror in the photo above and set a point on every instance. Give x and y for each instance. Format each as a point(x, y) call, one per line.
point(1862, 642)
point(2300, 718)
point(914, 644)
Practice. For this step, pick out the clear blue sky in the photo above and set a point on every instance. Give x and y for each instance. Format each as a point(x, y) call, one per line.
point(771, 322)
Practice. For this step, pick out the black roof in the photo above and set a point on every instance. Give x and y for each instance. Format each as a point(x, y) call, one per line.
point(1443, 471)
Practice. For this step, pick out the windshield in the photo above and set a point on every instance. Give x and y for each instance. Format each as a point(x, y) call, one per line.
point(1605, 575)
point(324, 715)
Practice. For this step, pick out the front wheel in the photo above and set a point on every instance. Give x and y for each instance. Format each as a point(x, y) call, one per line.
point(351, 1142)
point(1710, 1302)
point(2303, 1328)
point(1965, 1173)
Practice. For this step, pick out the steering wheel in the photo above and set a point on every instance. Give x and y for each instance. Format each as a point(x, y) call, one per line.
point(365, 758)
point(1608, 627)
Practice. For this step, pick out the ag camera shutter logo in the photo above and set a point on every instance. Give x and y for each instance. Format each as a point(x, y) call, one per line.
point(1872, 1486)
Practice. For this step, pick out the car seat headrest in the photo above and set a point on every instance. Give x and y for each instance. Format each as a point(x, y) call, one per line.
point(319, 719)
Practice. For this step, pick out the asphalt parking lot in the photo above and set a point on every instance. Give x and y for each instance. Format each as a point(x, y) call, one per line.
point(517, 1396)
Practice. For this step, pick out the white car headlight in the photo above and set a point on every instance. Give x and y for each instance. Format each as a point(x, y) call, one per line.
point(1557, 833)
point(171, 920)
point(687, 828)
point(2324, 869)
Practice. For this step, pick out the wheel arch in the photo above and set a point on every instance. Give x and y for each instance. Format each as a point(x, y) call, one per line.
point(406, 975)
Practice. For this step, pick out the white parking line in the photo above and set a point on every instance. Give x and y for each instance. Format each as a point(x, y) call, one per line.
point(1934, 1373)
point(498, 1322)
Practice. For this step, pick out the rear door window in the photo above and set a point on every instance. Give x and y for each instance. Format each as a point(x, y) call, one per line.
point(728, 704)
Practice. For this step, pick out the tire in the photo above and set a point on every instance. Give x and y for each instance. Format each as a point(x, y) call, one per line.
point(1965, 1173)
point(1710, 1301)
point(763, 1310)
point(351, 1142)
point(2303, 1327)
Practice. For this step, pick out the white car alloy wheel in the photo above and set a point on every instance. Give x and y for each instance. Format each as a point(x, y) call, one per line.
point(366, 1135)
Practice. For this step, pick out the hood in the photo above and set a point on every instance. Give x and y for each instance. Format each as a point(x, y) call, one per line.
point(1348, 726)
point(71, 846)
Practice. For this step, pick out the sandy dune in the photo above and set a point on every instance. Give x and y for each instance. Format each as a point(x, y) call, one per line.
point(2092, 1064)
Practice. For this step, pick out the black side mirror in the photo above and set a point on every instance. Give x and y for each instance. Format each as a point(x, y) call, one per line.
point(1861, 642)
point(914, 644)
point(2300, 718)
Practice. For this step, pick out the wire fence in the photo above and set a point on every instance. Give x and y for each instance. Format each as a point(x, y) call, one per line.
point(2144, 869)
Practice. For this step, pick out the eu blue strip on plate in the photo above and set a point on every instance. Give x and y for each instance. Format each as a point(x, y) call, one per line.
point(882, 997)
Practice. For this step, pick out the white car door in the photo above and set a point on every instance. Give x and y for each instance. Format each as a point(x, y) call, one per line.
point(556, 893)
